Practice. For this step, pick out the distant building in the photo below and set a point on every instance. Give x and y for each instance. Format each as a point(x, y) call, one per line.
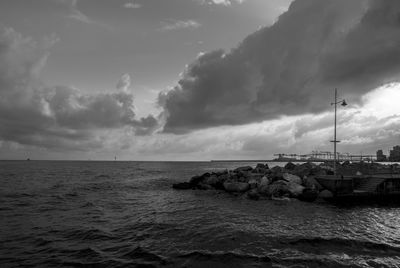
point(380, 157)
point(395, 154)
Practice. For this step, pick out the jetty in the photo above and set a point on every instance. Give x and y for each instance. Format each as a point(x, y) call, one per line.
point(361, 182)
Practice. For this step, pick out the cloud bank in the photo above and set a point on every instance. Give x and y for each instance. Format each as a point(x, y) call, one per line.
point(221, 2)
point(60, 117)
point(132, 5)
point(291, 67)
point(179, 24)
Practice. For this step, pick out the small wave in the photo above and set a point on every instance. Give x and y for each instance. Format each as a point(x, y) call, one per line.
point(88, 235)
point(87, 172)
point(87, 253)
point(223, 259)
point(144, 257)
point(102, 176)
point(143, 226)
point(314, 261)
point(88, 205)
point(348, 245)
point(18, 195)
point(57, 186)
point(83, 257)
point(106, 264)
point(71, 194)
point(57, 197)
point(22, 204)
point(41, 242)
point(97, 186)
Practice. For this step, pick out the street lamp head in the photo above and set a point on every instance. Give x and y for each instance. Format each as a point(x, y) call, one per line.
point(344, 103)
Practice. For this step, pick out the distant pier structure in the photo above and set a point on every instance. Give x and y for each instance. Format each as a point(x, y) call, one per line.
point(322, 156)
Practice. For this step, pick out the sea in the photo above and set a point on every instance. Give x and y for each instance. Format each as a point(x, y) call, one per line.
point(126, 214)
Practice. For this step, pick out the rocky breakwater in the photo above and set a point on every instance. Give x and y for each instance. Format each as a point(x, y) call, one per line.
point(262, 182)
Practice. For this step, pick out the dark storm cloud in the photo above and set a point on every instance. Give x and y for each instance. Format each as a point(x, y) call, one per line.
point(291, 67)
point(146, 125)
point(56, 117)
point(74, 110)
point(370, 53)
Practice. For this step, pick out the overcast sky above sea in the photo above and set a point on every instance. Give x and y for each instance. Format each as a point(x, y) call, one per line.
point(196, 79)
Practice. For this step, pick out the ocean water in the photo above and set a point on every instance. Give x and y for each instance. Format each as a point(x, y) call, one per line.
point(125, 214)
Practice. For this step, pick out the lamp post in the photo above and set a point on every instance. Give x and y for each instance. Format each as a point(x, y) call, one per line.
point(335, 141)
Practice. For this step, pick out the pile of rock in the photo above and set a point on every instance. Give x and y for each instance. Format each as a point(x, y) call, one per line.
point(262, 182)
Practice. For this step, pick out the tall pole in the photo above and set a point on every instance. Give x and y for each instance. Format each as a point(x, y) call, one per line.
point(334, 138)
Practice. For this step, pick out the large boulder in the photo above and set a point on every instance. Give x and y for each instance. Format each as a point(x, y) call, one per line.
point(276, 169)
point(216, 181)
point(295, 189)
point(212, 180)
point(233, 177)
point(260, 165)
point(267, 171)
point(255, 176)
point(262, 186)
point(291, 178)
point(325, 194)
point(223, 176)
point(290, 166)
point(304, 169)
point(276, 176)
point(221, 179)
point(182, 186)
point(243, 179)
point(238, 187)
point(253, 183)
point(245, 168)
point(261, 169)
point(276, 173)
point(312, 183)
point(264, 181)
point(278, 189)
point(204, 186)
point(197, 179)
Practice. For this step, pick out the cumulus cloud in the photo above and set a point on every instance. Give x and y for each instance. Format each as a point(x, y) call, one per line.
point(291, 67)
point(124, 83)
point(179, 24)
point(56, 116)
point(132, 5)
point(221, 2)
point(74, 13)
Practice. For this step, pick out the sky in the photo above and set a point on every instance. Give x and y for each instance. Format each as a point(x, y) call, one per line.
point(196, 79)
